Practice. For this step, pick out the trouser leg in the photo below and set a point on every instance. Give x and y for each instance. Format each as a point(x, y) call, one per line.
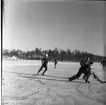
point(45, 69)
point(87, 77)
point(40, 68)
point(85, 74)
point(75, 76)
point(55, 64)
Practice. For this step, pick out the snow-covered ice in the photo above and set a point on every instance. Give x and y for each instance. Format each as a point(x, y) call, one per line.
point(21, 87)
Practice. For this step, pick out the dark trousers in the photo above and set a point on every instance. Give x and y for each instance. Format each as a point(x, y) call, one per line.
point(81, 71)
point(55, 64)
point(43, 66)
point(87, 72)
point(87, 75)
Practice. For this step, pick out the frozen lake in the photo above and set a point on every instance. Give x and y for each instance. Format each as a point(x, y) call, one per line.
point(21, 87)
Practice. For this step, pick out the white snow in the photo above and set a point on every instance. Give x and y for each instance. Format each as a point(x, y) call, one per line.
point(21, 87)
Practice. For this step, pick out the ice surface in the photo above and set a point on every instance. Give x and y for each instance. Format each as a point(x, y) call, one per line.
point(21, 87)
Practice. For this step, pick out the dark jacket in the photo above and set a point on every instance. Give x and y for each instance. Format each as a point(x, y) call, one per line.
point(44, 61)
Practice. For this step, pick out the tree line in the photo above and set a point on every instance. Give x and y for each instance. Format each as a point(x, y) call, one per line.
point(59, 54)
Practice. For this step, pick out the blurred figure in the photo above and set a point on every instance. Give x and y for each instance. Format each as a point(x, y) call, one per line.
point(44, 64)
point(85, 65)
point(89, 72)
point(103, 63)
point(85, 69)
point(55, 62)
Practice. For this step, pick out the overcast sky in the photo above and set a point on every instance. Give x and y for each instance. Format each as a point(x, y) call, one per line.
point(49, 24)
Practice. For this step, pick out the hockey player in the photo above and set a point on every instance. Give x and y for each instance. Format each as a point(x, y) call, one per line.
point(103, 63)
point(44, 64)
point(82, 70)
point(86, 70)
point(55, 62)
point(89, 72)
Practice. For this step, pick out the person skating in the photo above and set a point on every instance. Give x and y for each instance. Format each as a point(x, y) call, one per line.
point(103, 63)
point(89, 72)
point(55, 62)
point(44, 64)
point(82, 70)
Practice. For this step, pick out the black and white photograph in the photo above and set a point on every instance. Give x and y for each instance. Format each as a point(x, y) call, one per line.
point(53, 52)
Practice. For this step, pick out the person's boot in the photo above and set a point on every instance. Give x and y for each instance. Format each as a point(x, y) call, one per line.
point(35, 74)
point(87, 81)
point(72, 78)
point(69, 79)
point(43, 74)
